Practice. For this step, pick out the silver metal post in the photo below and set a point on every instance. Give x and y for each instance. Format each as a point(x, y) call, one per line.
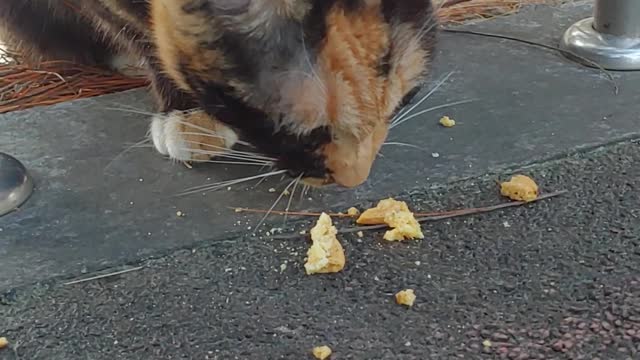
point(611, 38)
point(15, 184)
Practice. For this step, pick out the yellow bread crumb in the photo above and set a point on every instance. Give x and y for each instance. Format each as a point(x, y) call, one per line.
point(326, 255)
point(406, 297)
point(447, 122)
point(3, 342)
point(487, 343)
point(322, 352)
point(520, 188)
point(353, 211)
point(360, 234)
point(405, 226)
point(376, 215)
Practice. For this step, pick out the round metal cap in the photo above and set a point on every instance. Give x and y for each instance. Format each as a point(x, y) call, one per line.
point(15, 184)
point(609, 51)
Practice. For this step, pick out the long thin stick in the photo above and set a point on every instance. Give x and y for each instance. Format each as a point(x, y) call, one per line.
point(103, 276)
point(441, 215)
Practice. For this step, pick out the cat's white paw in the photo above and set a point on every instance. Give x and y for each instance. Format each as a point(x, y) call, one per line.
point(191, 136)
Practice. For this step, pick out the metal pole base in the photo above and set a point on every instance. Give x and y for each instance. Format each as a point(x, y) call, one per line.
point(15, 184)
point(608, 51)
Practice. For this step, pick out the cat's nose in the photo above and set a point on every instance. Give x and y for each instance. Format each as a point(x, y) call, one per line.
point(350, 160)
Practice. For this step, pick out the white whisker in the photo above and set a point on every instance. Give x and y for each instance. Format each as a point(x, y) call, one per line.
point(407, 118)
point(291, 195)
point(403, 113)
point(402, 144)
point(275, 203)
point(223, 184)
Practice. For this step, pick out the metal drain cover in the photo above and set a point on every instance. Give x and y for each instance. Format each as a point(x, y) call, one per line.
point(15, 184)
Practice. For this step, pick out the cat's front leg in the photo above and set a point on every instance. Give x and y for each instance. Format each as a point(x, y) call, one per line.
point(190, 135)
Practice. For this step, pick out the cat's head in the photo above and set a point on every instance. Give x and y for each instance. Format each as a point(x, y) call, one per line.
point(312, 83)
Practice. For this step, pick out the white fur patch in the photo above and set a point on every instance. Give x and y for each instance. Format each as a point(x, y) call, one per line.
point(165, 132)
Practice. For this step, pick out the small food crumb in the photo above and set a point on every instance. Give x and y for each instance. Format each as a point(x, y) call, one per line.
point(180, 214)
point(520, 188)
point(360, 234)
point(326, 255)
point(376, 215)
point(487, 343)
point(405, 226)
point(353, 211)
point(406, 297)
point(435, 155)
point(447, 122)
point(3, 342)
point(286, 192)
point(303, 232)
point(397, 215)
point(272, 190)
point(322, 352)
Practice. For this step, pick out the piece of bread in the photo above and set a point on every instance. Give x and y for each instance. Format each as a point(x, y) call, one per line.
point(447, 122)
point(376, 215)
point(406, 297)
point(322, 352)
point(520, 188)
point(326, 254)
point(405, 226)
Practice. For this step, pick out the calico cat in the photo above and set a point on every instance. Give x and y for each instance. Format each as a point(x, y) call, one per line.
point(312, 84)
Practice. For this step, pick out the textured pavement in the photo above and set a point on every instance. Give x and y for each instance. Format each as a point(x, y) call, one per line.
point(558, 279)
point(100, 203)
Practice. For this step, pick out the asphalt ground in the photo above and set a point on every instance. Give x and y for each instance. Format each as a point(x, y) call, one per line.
point(558, 279)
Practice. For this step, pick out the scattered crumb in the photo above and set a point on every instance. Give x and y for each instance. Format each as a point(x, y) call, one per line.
point(141, 179)
point(360, 234)
point(286, 192)
point(326, 255)
point(405, 226)
point(397, 215)
point(418, 263)
point(406, 297)
point(238, 210)
point(487, 343)
point(353, 211)
point(229, 188)
point(435, 155)
point(520, 188)
point(322, 352)
point(180, 214)
point(506, 224)
point(272, 190)
point(283, 267)
point(3, 342)
point(303, 232)
point(447, 122)
point(376, 215)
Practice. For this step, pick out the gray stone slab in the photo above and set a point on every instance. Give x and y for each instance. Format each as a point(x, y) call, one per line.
point(97, 205)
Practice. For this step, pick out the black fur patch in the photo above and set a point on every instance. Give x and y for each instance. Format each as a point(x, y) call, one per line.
point(297, 154)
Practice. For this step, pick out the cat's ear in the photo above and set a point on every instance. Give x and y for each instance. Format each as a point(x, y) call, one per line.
point(231, 6)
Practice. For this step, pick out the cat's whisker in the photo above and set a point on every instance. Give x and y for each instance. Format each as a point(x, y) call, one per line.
point(227, 183)
point(207, 131)
point(395, 143)
point(319, 81)
point(137, 145)
point(275, 203)
point(422, 112)
point(230, 152)
point(291, 195)
point(132, 111)
point(408, 110)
